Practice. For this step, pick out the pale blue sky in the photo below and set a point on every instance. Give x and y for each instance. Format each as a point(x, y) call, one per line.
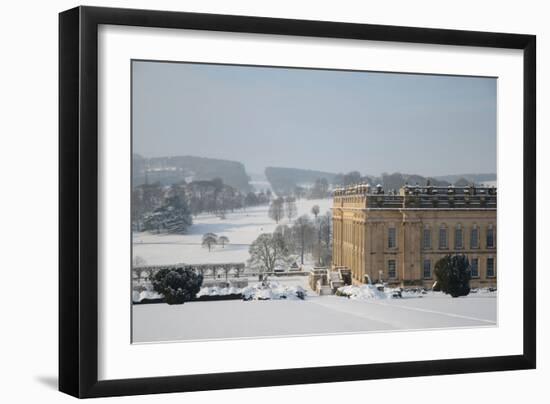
point(333, 121)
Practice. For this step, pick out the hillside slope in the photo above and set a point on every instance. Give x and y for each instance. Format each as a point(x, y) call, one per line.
point(170, 170)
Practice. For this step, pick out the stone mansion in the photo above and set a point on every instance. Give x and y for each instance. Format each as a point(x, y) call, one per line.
point(397, 237)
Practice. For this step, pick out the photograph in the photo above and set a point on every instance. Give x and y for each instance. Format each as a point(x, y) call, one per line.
point(276, 201)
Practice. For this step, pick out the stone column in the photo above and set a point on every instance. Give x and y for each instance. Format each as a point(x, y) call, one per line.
point(402, 248)
point(366, 250)
point(415, 248)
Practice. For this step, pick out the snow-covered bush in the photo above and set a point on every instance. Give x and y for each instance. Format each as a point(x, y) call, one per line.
point(177, 285)
point(269, 290)
point(218, 291)
point(363, 292)
point(138, 296)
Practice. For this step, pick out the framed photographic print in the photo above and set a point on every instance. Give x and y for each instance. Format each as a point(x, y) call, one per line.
point(250, 201)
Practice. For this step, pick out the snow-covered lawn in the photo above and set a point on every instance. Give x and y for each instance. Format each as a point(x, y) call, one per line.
point(314, 315)
point(241, 227)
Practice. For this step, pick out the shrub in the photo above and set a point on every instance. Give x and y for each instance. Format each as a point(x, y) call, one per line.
point(177, 285)
point(453, 275)
point(341, 293)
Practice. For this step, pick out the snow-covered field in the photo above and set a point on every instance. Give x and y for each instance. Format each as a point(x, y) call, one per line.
point(241, 227)
point(314, 315)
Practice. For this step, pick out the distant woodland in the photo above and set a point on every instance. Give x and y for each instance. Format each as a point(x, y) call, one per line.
point(192, 185)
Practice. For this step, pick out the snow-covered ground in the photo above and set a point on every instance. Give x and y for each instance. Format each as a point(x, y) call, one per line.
point(314, 315)
point(241, 227)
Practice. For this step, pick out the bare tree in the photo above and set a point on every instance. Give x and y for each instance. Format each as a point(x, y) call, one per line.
point(226, 270)
point(267, 251)
point(303, 231)
point(223, 240)
point(323, 251)
point(209, 240)
point(276, 209)
point(290, 208)
point(286, 233)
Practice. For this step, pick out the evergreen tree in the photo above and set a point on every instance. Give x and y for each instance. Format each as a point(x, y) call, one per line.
point(315, 211)
point(453, 275)
point(177, 285)
point(174, 216)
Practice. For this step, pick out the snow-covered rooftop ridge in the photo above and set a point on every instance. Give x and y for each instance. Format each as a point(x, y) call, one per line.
point(416, 197)
point(407, 189)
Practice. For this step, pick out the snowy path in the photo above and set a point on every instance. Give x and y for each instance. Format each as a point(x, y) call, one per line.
point(242, 228)
point(315, 315)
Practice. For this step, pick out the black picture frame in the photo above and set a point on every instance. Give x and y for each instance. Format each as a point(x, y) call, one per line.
point(78, 201)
